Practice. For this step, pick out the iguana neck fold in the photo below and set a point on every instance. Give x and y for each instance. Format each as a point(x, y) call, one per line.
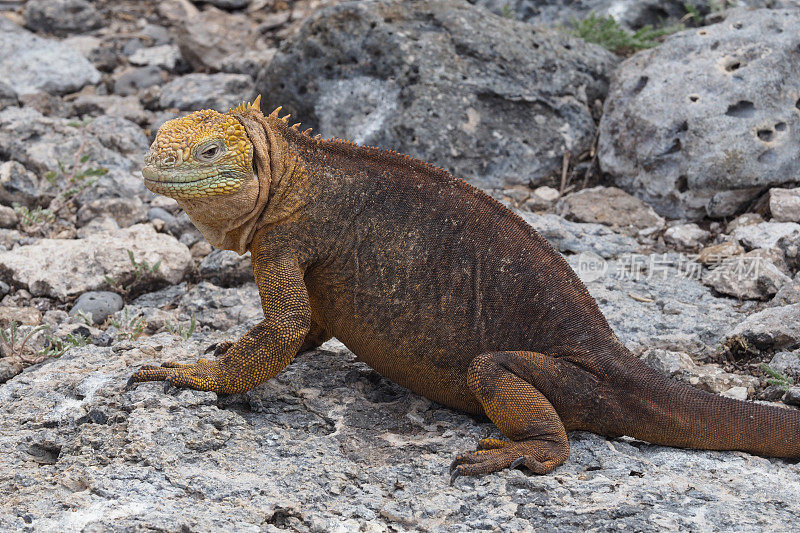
point(276, 193)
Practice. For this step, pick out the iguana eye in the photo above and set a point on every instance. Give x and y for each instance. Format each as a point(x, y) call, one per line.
point(210, 152)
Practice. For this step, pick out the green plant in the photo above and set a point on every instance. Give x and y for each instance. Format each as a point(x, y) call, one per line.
point(140, 270)
point(128, 327)
point(607, 32)
point(507, 12)
point(57, 347)
point(87, 319)
point(181, 330)
point(11, 337)
point(31, 217)
point(776, 378)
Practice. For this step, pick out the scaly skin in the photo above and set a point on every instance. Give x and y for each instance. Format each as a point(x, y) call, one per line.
point(433, 284)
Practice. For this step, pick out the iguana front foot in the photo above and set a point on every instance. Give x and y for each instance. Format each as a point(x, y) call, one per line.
point(540, 455)
point(203, 375)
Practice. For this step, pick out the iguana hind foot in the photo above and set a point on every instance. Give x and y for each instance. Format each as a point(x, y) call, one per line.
point(540, 455)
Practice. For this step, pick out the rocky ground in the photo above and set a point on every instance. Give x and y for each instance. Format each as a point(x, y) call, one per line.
point(667, 177)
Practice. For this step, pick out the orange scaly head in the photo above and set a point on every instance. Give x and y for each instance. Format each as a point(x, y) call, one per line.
point(205, 153)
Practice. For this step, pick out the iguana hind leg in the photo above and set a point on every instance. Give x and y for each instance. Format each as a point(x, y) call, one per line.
point(505, 383)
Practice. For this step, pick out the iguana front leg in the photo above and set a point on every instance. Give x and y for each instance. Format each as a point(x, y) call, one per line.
point(265, 350)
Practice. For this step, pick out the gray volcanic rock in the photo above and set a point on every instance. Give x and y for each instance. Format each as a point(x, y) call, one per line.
point(629, 13)
point(63, 268)
point(97, 304)
point(201, 91)
point(61, 16)
point(496, 111)
point(328, 446)
point(226, 268)
point(8, 96)
point(658, 301)
point(575, 237)
point(18, 185)
point(40, 142)
point(31, 64)
point(701, 123)
point(774, 328)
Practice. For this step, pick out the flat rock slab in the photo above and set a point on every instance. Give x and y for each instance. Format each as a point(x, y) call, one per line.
point(705, 121)
point(328, 446)
point(64, 268)
point(499, 111)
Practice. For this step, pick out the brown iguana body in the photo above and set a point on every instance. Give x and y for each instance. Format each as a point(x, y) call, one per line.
point(443, 290)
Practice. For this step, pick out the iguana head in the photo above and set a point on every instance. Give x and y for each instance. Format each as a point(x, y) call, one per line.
point(220, 169)
point(203, 154)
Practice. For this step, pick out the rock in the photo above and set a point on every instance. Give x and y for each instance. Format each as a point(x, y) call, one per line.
point(40, 143)
point(97, 304)
point(749, 276)
point(8, 96)
point(226, 268)
point(61, 17)
point(83, 264)
point(202, 91)
point(230, 4)
point(9, 368)
point(632, 14)
point(765, 234)
point(788, 294)
point(125, 211)
point(165, 56)
point(18, 185)
point(120, 135)
point(47, 104)
point(658, 301)
point(787, 363)
point(737, 393)
point(143, 450)
point(211, 306)
point(679, 132)
point(745, 219)
point(686, 236)
point(774, 328)
point(612, 207)
point(31, 64)
point(177, 10)
point(201, 249)
point(542, 198)
point(8, 217)
point(127, 107)
point(717, 253)
point(27, 316)
point(372, 72)
point(208, 39)
point(130, 81)
point(223, 308)
point(784, 205)
point(574, 237)
point(247, 62)
point(707, 377)
point(792, 396)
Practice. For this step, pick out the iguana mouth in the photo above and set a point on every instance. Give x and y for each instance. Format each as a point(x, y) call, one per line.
point(225, 182)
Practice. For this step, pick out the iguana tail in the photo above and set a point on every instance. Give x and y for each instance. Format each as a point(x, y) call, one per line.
point(642, 403)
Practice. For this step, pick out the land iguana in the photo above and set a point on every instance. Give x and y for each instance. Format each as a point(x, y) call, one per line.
point(432, 283)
